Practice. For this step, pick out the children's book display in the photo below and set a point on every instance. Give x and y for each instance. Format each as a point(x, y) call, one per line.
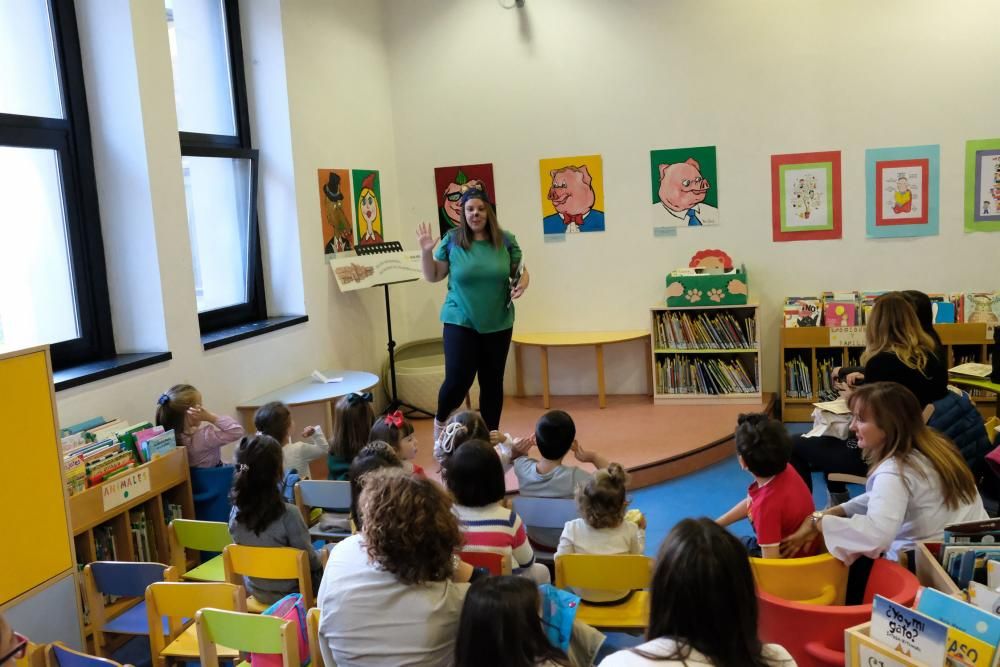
point(848, 309)
point(97, 450)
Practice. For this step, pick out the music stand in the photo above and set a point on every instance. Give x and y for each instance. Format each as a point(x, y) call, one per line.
point(394, 402)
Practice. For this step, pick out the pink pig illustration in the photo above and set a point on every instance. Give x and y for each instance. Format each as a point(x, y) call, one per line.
point(682, 194)
point(572, 195)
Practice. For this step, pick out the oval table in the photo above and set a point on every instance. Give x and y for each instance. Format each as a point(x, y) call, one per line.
point(546, 339)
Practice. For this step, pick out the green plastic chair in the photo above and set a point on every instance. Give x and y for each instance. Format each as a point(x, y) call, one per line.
point(210, 536)
point(247, 633)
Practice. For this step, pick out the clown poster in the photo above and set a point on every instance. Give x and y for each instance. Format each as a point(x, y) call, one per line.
point(335, 211)
point(572, 194)
point(982, 185)
point(451, 182)
point(902, 186)
point(685, 187)
point(368, 198)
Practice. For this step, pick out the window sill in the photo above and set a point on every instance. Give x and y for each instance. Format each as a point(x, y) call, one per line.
point(76, 376)
point(243, 331)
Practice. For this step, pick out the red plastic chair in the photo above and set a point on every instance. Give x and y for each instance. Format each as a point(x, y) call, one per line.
point(494, 562)
point(814, 634)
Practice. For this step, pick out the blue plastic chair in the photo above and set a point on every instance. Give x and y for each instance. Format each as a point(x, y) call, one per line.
point(59, 655)
point(543, 520)
point(331, 496)
point(125, 580)
point(210, 489)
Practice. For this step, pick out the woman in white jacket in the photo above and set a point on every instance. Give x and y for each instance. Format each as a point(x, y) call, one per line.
point(917, 484)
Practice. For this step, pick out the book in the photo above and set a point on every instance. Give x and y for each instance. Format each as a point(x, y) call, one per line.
point(964, 649)
point(977, 622)
point(802, 311)
point(840, 314)
point(912, 633)
point(837, 407)
point(944, 312)
point(159, 445)
point(140, 440)
point(982, 307)
point(972, 370)
point(968, 532)
point(319, 377)
point(85, 425)
point(993, 574)
point(984, 597)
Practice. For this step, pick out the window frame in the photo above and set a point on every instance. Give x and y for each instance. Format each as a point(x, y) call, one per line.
point(238, 146)
point(70, 138)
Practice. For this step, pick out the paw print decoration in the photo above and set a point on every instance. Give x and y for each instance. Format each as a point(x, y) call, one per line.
point(715, 295)
point(693, 295)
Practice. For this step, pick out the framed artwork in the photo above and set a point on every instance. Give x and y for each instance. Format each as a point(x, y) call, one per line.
point(902, 191)
point(335, 211)
point(805, 196)
point(368, 197)
point(685, 187)
point(982, 185)
point(572, 194)
point(450, 182)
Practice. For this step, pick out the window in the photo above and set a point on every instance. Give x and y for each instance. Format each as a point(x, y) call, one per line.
point(53, 288)
point(220, 167)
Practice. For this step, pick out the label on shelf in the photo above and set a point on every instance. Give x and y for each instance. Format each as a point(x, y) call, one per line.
point(847, 336)
point(870, 657)
point(121, 489)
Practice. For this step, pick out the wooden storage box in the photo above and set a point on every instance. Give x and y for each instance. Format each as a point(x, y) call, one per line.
point(707, 289)
point(863, 651)
point(930, 572)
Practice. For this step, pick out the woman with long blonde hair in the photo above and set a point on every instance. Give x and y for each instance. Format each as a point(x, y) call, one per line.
point(917, 483)
point(897, 350)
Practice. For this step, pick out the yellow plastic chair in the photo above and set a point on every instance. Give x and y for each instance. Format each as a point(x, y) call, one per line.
point(250, 633)
point(34, 656)
point(820, 580)
point(613, 573)
point(178, 603)
point(211, 536)
point(315, 647)
point(991, 426)
point(268, 563)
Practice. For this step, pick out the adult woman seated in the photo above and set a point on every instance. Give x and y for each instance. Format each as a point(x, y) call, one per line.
point(388, 595)
point(703, 606)
point(898, 350)
point(918, 483)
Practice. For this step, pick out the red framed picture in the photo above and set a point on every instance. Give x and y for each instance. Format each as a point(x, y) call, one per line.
point(903, 187)
point(805, 196)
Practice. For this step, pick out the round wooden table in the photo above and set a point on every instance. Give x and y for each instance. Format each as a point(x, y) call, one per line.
point(546, 339)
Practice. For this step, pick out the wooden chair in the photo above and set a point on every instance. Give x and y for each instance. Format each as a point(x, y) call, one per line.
point(210, 536)
point(268, 563)
point(177, 603)
point(248, 633)
point(625, 572)
point(328, 495)
point(58, 654)
point(317, 655)
point(128, 580)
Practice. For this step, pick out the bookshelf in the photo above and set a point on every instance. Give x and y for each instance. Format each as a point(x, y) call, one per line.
point(813, 346)
point(705, 355)
point(107, 521)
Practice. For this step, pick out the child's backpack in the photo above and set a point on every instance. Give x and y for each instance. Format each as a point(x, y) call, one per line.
point(289, 608)
point(288, 485)
point(559, 609)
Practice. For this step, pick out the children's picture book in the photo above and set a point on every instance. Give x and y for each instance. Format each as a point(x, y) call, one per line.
point(982, 307)
point(909, 632)
point(943, 311)
point(984, 597)
point(972, 620)
point(983, 530)
point(802, 311)
point(972, 370)
point(159, 445)
point(993, 574)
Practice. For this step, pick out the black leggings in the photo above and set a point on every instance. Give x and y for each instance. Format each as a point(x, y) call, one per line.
point(466, 353)
point(826, 454)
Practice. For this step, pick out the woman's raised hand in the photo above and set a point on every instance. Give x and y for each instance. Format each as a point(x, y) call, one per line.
point(425, 238)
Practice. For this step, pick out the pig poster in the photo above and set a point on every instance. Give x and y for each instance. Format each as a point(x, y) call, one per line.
point(572, 193)
point(368, 195)
point(451, 182)
point(685, 187)
point(335, 211)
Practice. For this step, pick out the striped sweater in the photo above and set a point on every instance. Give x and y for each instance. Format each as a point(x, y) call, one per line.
point(495, 529)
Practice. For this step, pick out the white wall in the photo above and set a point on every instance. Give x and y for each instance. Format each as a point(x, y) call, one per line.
point(472, 82)
point(321, 129)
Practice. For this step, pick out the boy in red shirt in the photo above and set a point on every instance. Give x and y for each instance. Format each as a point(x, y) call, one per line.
point(777, 501)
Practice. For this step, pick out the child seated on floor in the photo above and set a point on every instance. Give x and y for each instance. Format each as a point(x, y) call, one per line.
point(260, 518)
point(603, 528)
point(777, 501)
point(555, 436)
point(469, 425)
point(394, 429)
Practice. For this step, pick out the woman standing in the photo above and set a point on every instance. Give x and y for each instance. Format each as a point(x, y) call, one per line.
point(480, 260)
point(897, 350)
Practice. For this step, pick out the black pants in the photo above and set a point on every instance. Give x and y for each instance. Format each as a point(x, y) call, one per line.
point(466, 353)
point(857, 580)
point(826, 454)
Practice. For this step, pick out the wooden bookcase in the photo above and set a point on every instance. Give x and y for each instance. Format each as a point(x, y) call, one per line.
point(169, 482)
point(748, 357)
point(812, 345)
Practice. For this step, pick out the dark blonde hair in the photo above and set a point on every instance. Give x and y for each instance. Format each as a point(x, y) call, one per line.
point(352, 419)
point(172, 407)
point(409, 528)
point(896, 411)
point(602, 500)
point(893, 327)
